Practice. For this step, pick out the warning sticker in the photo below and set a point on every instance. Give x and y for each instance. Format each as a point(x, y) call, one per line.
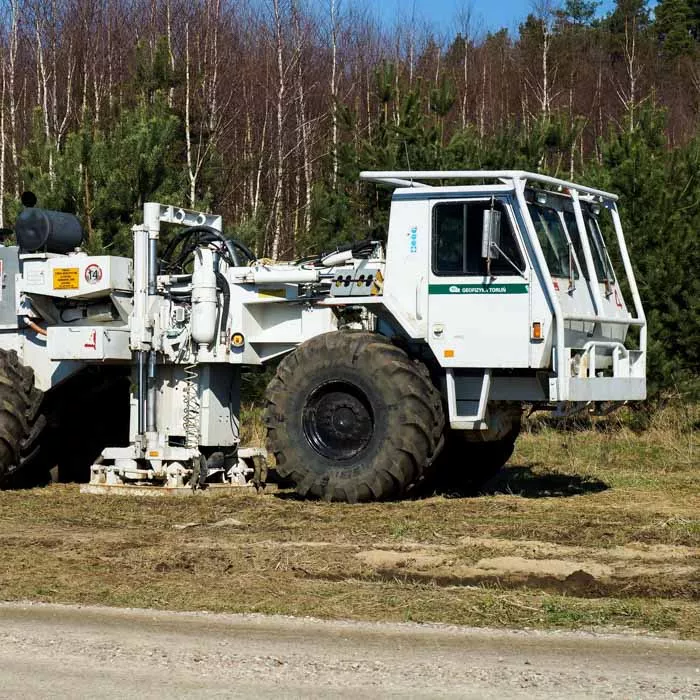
point(93, 274)
point(66, 278)
point(280, 293)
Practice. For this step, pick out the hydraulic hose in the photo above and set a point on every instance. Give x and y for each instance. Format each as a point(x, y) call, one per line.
point(35, 327)
point(223, 285)
point(209, 234)
point(244, 249)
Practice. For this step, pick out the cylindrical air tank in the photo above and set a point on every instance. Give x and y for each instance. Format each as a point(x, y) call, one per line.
point(52, 231)
point(204, 297)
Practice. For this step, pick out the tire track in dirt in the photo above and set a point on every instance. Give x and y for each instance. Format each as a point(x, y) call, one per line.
point(635, 569)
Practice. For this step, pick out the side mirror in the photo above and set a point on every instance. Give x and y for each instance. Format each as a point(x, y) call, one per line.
point(491, 234)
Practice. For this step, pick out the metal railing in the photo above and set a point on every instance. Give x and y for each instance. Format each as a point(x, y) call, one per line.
point(408, 178)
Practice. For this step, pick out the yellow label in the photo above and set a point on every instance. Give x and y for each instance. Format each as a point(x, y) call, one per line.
point(66, 278)
point(281, 293)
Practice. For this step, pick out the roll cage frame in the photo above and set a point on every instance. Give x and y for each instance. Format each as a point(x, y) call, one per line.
point(518, 180)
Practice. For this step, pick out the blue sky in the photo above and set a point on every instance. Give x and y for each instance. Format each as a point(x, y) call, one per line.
point(488, 15)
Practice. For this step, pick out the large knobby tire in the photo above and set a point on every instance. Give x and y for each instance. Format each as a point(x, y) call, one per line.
point(350, 417)
point(21, 423)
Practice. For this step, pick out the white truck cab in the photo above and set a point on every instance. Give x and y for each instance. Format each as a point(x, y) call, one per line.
point(511, 286)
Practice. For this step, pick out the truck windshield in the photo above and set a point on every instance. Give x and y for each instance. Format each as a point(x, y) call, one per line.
point(553, 240)
point(603, 269)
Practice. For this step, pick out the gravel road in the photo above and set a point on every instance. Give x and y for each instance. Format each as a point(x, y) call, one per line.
point(80, 652)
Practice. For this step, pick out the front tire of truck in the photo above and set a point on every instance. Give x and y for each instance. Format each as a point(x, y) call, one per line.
point(350, 417)
point(21, 423)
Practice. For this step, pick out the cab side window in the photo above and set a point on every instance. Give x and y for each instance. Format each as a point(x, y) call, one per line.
point(456, 246)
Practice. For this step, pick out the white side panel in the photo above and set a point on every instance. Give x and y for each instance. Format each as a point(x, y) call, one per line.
point(170, 406)
point(607, 389)
point(480, 323)
point(219, 404)
point(88, 343)
point(406, 273)
point(270, 323)
point(75, 276)
point(33, 353)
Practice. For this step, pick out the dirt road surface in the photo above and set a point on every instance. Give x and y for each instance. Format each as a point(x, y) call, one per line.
point(69, 651)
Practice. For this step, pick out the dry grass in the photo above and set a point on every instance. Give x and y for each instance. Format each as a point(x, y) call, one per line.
point(605, 496)
point(252, 426)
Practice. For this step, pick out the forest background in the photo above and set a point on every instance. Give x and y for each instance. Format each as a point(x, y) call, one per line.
point(266, 110)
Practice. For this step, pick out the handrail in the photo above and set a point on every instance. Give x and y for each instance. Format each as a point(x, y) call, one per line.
point(389, 177)
point(593, 282)
point(399, 182)
point(604, 344)
point(548, 289)
point(627, 263)
point(606, 319)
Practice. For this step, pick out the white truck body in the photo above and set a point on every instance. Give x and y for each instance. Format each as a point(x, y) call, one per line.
point(501, 283)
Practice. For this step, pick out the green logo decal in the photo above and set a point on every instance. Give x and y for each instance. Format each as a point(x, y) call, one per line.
point(477, 289)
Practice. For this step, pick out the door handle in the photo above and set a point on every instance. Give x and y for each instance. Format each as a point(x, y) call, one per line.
point(419, 299)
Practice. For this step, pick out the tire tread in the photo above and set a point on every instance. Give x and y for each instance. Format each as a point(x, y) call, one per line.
point(415, 406)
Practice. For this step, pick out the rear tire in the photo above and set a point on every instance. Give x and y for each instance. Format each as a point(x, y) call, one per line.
point(465, 464)
point(21, 422)
point(88, 413)
point(350, 417)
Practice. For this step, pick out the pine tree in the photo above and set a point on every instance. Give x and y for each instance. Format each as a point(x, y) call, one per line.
point(673, 27)
point(659, 191)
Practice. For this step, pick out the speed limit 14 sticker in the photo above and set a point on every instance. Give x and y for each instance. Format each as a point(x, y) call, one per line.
point(93, 274)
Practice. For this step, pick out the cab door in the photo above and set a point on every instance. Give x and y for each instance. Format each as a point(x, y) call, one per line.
point(478, 312)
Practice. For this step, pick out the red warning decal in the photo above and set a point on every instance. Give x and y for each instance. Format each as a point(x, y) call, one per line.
point(93, 274)
point(92, 343)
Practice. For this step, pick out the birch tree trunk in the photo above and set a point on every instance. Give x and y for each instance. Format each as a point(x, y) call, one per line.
point(44, 91)
point(171, 55)
point(546, 40)
point(630, 99)
point(260, 166)
point(334, 87)
point(304, 127)
point(191, 168)
point(214, 12)
point(465, 19)
point(482, 107)
point(12, 57)
point(546, 13)
point(280, 164)
point(3, 141)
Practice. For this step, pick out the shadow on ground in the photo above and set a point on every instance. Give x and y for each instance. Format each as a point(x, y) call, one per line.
point(521, 481)
point(525, 482)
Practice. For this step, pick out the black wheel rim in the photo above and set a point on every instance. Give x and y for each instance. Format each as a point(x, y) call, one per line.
point(338, 420)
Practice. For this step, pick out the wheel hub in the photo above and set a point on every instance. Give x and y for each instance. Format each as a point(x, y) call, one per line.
point(338, 421)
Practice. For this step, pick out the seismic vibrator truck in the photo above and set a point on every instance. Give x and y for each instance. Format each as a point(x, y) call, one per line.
point(394, 358)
